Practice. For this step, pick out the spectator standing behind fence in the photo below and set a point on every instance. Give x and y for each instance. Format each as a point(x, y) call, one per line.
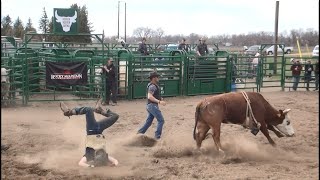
point(183, 45)
point(316, 73)
point(308, 68)
point(255, 63)
point(202, 48)
point(111, 83)
point(296, 71)
point(143, 47)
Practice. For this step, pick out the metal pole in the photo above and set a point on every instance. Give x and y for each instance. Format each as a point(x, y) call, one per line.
point(118, 18)
point(276, 38)
point(125, 22)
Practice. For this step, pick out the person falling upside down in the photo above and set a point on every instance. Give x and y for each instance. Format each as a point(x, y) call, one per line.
point(95, 152)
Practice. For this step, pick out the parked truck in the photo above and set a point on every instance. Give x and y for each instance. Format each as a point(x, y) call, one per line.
point(287, 50)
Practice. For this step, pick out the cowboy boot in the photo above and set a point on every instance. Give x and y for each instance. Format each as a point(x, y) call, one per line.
point(66, 111)
point(98, 109)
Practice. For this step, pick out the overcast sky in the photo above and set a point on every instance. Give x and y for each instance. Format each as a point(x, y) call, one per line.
point(205, 17)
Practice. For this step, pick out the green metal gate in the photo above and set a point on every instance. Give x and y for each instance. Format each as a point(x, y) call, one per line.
point(169, 68)
point(209, 75)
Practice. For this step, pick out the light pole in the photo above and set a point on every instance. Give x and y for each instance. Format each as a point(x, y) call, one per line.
point(118, 17)
point(125, 20)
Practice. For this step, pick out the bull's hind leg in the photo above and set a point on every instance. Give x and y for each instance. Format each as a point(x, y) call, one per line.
point(202, 128)
point(216, 137)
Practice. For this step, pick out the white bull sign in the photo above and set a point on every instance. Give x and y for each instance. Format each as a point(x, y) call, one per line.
point(65, 21)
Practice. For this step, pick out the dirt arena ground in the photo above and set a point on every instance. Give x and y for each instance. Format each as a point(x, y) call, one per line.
point(44, 144)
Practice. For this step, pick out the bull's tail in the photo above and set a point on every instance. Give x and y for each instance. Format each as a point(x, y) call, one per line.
point(197, 116)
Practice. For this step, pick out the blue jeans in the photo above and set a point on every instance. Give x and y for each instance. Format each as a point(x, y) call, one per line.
point(296, 79)
point(153, 112)
point(307, 79)
point(94, 127)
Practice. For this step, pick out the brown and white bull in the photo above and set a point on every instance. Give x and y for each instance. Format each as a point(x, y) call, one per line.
point(231, 108)
point(66, 22)
point(5, 86)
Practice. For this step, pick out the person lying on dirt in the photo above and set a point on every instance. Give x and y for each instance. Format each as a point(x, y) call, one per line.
point(95, 152)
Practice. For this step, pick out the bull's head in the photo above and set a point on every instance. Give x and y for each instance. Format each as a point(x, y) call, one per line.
point(285, 126)
point(66, 22)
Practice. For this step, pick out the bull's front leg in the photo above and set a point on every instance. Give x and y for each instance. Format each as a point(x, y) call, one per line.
point(265, 131)
point(270, 127)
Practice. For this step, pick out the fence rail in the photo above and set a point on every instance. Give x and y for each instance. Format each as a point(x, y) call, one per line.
point(181, 74)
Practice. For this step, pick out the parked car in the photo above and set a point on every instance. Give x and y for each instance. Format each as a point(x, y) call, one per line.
point(315, 52)
point(171, 47)
point(287, 50)
point(252, 50)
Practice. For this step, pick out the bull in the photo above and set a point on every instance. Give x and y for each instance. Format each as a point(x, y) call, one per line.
point(66, 22)
point(232, 108)
point(5, 85)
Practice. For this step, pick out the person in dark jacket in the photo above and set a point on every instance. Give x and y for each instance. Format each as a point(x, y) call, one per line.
point(143, 47)
point(316, 73)
point(153, 100)
point(183, 45)
point(308, 68)
point(296, 71)
point(111, 83)
point(202, 48)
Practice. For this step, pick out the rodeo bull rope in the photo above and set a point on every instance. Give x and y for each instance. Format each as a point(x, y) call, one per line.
point(231, 108)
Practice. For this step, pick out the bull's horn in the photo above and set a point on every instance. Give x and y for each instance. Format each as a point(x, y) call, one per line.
point(286, 111)
point(75, 15)
point(57, 16)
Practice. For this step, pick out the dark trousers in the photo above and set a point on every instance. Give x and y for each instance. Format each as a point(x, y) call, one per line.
point(93, 126)
point(111, 91)
point(307, 79)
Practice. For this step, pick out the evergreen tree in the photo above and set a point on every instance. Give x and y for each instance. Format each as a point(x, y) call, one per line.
point(85, 25)
point(18, 29)
point(6, 29)
point(44, 23)
point(29, 26)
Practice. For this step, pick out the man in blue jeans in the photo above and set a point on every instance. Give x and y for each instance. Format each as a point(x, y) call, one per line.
point(296, 71)
point(154, 99)
point(95, 152)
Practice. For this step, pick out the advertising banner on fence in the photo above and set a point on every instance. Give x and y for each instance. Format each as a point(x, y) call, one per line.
point(66, 73)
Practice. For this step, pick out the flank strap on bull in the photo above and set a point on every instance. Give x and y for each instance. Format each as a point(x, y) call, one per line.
point(249, 114)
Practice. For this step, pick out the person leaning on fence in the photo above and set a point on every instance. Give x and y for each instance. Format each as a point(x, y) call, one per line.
point(111, 83)
point(183, 45)
point(316, 74)
point(308, 68)
point(143, 47)
point(95, 151)
point(202, 48)
point(296, 71)
point(153, 100)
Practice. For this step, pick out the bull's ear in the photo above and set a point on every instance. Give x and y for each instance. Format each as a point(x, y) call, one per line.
point(286, 111)
point(280, 113)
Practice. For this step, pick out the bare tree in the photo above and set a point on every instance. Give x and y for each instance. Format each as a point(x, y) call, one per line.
point(159, 34)
point(141, 32)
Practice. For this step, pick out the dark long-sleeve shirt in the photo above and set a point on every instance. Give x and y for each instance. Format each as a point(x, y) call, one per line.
point(143, 49)
point(183, 46)
point(203, 49)
point(308, 68)
point(111, 75)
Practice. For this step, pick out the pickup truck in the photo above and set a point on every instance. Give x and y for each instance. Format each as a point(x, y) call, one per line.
point(287, 50)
